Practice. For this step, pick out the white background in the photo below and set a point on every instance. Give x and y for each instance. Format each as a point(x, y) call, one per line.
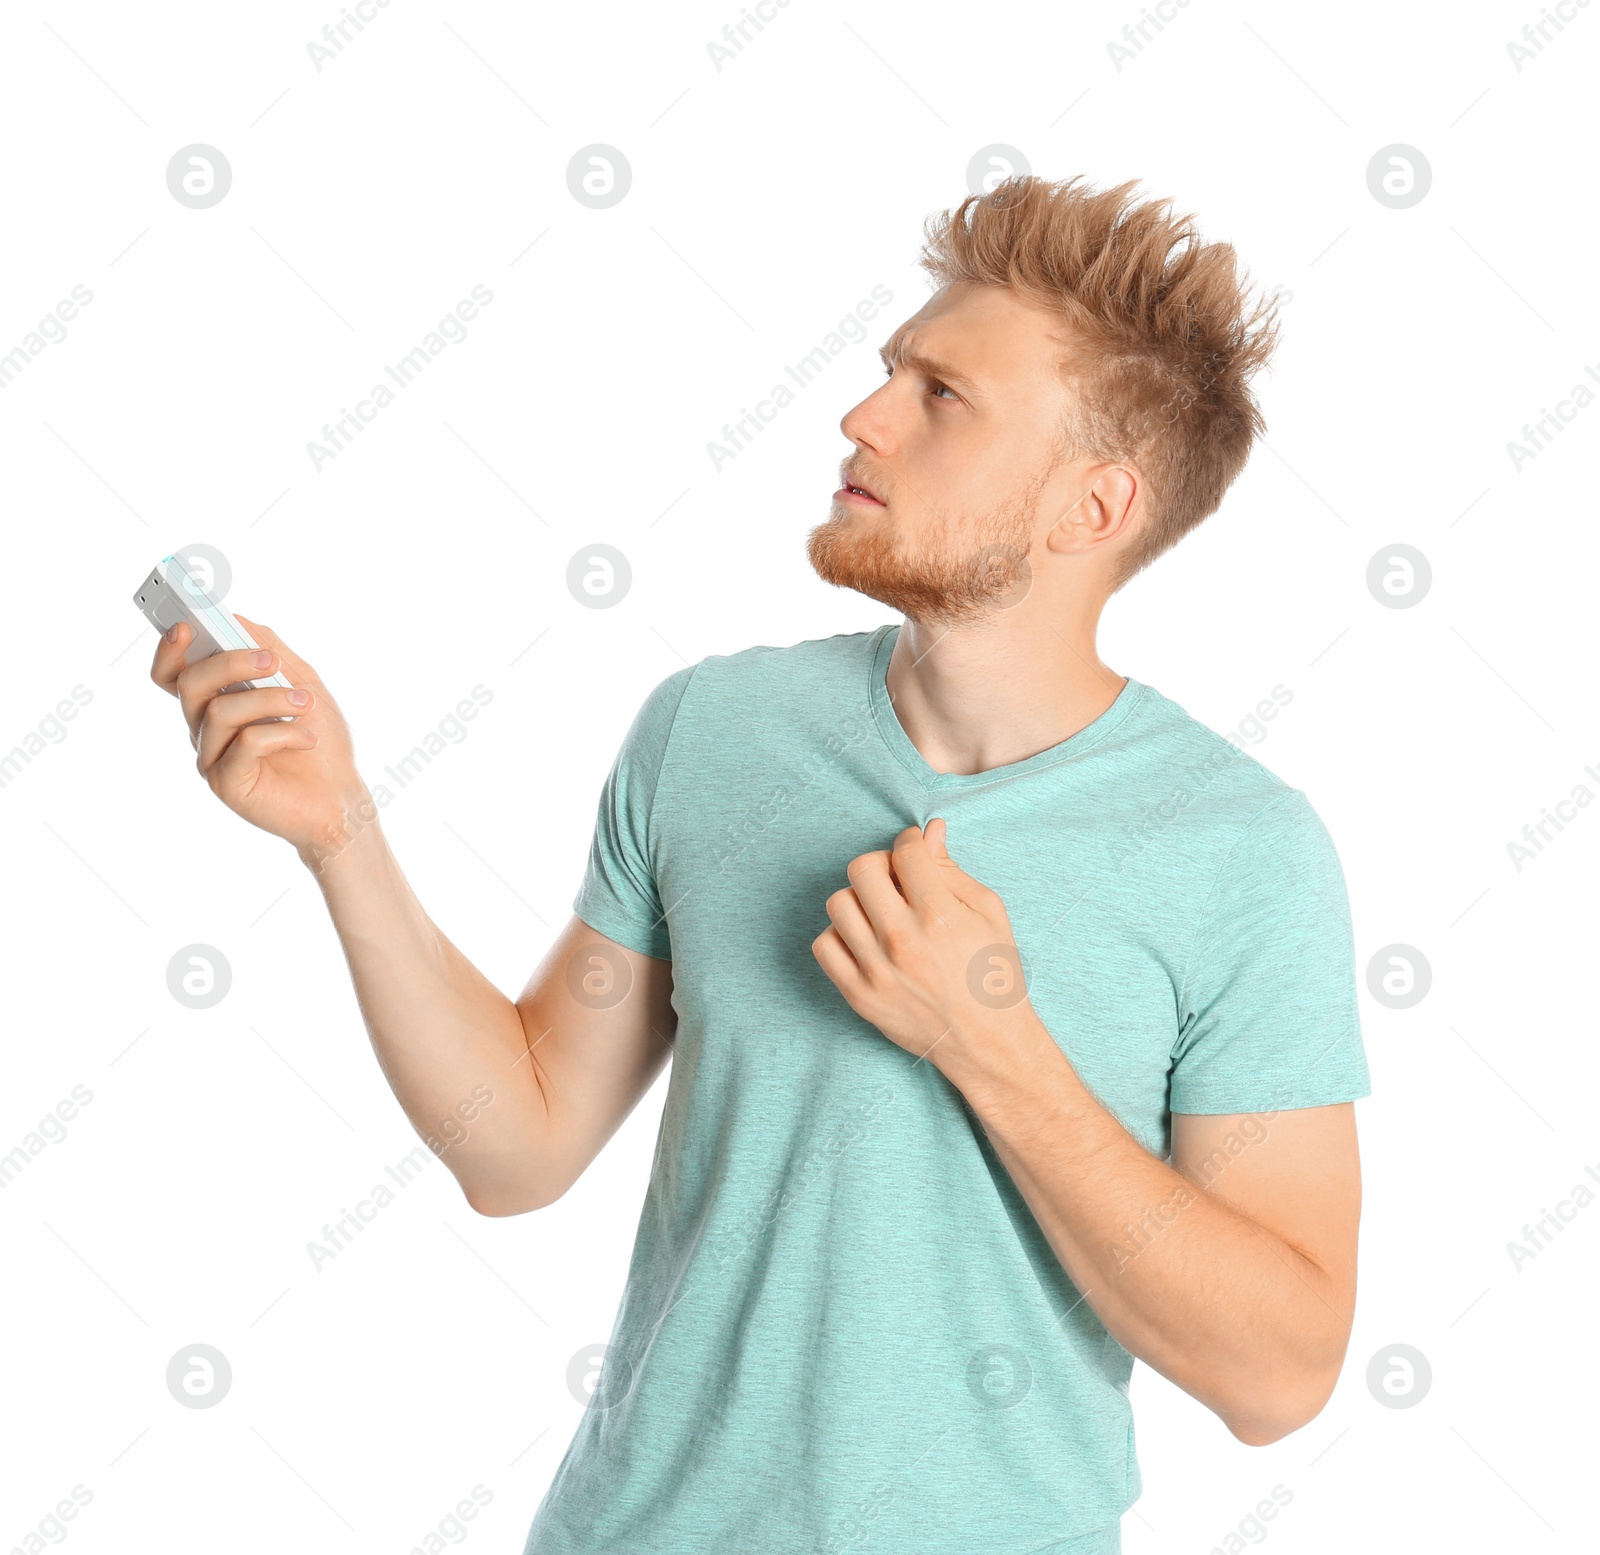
point(767, 199)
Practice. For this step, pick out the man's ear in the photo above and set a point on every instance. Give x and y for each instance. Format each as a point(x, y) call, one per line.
point(1103, 513)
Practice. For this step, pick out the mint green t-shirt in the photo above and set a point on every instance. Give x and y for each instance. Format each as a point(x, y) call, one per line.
point(842, 1328)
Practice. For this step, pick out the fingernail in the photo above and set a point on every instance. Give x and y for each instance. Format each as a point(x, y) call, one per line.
point(172, 633)
point(261, 660)
point(299, 698)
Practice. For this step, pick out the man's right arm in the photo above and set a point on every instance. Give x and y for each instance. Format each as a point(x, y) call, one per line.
point(520, 1096)
point(516, 1098)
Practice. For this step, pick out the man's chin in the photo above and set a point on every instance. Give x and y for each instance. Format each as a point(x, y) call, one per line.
point(839, 560)
point(868, 564)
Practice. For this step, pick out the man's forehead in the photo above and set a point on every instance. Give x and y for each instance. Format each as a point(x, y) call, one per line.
point(950, 304)
point(971, 332)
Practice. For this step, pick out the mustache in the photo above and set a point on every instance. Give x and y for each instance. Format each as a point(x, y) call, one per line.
point(855, 475)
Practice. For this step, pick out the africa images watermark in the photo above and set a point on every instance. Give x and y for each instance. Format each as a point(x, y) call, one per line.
point(450, 730)
point(50, 730)
point(737, 1239)
point(1251, 1528)
point(1539, 1234)
point(1252, 730)
point(737, 34)
point(339, 1234)
point(1536, 835)
point(451, 1528)
point(452, 329)
point(51, 1528)
point(1537, 436)
point(1136, 35)
point(1140, 1236)
point(756, 818)
point(1537, 34)
point(50, 1130)
point(50, 330)
point(851, 330)
point(337, 34)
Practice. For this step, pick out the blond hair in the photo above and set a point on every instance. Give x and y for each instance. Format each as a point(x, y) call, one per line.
point(1163, 341)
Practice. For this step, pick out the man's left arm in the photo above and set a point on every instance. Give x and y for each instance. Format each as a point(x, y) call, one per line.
point(1232, 1270)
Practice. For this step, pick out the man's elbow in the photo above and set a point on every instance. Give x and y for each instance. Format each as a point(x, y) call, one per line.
point(1267, 1421)
point(497, 1204)
point(498, 1209)
point(1255, 1433)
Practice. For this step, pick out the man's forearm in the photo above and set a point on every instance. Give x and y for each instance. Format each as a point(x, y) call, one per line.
point(1218, 1304)
point(451, 1045)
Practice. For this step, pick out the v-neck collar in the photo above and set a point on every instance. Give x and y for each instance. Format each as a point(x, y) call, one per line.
point(901, 746)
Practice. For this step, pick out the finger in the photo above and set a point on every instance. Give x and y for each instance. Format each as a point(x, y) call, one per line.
point(294, 666)
point(168, 660)
point(879, 895)
point(922, 875)
point(236, 768)
point(951, 879)
point(850, 923)
point(201, 682)
point(227, 715)
point(835, 959)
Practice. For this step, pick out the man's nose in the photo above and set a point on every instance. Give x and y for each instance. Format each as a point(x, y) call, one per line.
point(870, 425)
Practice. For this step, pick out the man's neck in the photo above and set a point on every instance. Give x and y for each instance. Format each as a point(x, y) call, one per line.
point(973, 697)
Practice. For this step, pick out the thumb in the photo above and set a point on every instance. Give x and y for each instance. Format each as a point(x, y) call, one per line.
point(935, 839)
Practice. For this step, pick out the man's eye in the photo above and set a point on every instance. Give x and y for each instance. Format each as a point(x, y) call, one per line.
point(945, 388)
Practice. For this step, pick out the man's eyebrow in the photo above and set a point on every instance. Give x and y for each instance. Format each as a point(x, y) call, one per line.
point(895, 348)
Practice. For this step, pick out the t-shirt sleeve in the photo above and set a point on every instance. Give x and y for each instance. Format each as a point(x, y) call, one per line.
point(1267, 1011)
point(618, 895)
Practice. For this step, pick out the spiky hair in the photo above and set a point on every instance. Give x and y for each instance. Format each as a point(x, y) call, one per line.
point(1162, 340)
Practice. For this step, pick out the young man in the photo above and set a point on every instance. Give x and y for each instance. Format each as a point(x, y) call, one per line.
point(1012, 1012)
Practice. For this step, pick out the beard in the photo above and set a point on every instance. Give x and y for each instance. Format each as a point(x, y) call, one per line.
point(956, 572)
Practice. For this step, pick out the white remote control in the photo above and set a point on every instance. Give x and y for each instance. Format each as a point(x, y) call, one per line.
point(172, 594)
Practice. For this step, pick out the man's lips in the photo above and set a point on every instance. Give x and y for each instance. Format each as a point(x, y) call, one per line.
point(851, 491)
